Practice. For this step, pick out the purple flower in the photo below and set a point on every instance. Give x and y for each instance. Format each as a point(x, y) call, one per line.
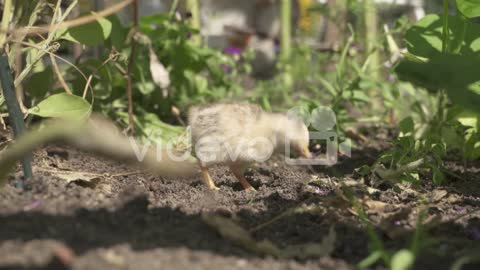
point(460, 210)
point(233, 50)
point(226, 68)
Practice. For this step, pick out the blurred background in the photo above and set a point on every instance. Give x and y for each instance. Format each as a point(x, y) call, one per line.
point(146, 63)
point(238, 51)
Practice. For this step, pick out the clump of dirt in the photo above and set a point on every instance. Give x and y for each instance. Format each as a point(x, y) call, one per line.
point(116, 217)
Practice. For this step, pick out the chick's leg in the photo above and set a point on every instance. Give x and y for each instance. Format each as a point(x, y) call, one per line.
point(207, 179)
point(238, 171)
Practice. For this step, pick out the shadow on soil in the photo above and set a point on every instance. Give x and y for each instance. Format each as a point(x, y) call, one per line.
point(144, 228)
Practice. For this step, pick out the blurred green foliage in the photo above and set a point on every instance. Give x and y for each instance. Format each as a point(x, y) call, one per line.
point(431, 95)
point(443, 57)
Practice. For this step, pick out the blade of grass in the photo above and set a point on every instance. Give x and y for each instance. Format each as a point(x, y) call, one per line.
point(328, 86)
point(371, 259)
point(6, 17)
point(173, 8)
point(342, 62)
point(376, 242)
point(417, 236)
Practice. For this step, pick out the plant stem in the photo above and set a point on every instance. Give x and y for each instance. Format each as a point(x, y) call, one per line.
point(342, 64)
point(285, 44)
point(370, 16)
point(14, 112)
point(194, 9)
point(286, 30)
point(131, 61)
point(445, 32)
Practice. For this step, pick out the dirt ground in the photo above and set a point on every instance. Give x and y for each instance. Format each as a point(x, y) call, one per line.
point(124, 219)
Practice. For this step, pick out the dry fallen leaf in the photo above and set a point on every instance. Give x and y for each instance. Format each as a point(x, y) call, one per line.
point(159, 73)
point(438, 194)
point(376, 206)
point(454, 198)
point(83, 179)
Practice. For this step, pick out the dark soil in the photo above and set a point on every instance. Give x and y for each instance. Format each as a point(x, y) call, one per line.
point(129, 220)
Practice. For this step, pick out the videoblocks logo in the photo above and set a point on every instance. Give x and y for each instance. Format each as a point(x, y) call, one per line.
point(322, 121)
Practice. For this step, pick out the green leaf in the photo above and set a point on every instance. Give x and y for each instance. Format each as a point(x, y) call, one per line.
point(198, 83)
point(328, 86)
point(34, 57)
point(144, 85)
point(438, 176)
point(62, 105)
point(452, 137)
point(472, 145)
point(356, 95)
point(90, 34)
point(439, 150)
point(407, 125)
point(101, 83)
point(145, 88)
point(402, 260)
point(39, 83)
point(424, 38)
point(152, 20)
point(469, 119)
point(469, 8)
point(364, 170)
point(457, 74)
point(118, 34)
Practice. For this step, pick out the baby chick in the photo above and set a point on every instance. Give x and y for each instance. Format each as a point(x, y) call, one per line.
point(238, 135)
